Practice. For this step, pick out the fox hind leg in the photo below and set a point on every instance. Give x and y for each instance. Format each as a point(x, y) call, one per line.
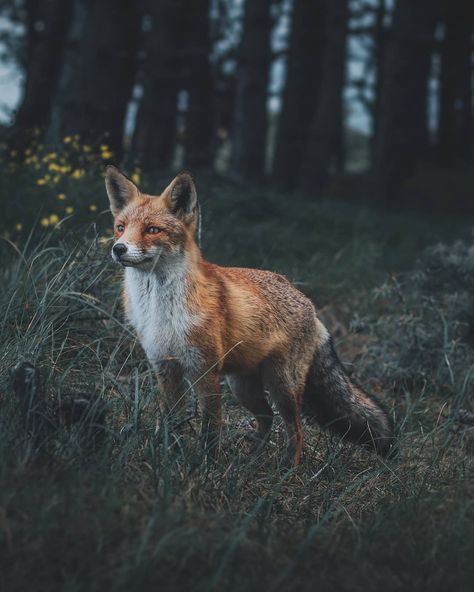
point(249, 391)
point(286, 391)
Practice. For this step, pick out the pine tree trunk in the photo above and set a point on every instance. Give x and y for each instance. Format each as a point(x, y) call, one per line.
point(98, 73)
point(402, 132)
point(48, 22)
point(198, 80)
point(456, 117)
point(249, 135)
point(325, 137)
point(302, 90)
point(154, 137)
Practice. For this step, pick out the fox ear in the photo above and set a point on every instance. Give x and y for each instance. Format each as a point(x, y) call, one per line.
point(181, 197)
point(120, 189)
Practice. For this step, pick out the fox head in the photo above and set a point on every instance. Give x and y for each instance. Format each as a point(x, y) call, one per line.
point(151, 228)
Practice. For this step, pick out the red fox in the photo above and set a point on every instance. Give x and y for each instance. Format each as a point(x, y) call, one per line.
point(198, 321)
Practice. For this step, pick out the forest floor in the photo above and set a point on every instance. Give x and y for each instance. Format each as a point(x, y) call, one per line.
point(142, 508)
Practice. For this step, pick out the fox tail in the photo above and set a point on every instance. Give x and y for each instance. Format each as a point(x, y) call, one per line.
point(337, 403)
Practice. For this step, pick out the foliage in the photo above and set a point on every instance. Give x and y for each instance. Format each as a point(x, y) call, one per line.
point(44, 186)
point(423, 328)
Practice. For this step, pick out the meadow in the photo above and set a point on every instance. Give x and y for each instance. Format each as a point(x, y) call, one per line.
point(142, 508)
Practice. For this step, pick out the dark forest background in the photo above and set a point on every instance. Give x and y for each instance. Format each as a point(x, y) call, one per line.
point(260, 90)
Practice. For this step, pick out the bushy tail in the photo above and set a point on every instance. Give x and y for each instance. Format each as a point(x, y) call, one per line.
point(340, 405)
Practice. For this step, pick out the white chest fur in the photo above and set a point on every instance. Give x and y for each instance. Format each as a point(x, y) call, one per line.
point(156, 307)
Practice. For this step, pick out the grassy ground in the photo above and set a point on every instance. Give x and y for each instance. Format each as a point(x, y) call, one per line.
point(144, 509)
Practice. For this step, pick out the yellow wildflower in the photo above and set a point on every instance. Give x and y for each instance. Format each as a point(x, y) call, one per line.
point(50, 156)
point(61, 196)
point(44, 222)
point(18, 226)
point(106, 154)
point(86, 148)
point(136, 178)
point(77, 174)
point(67, 140)
point(69, 210)
point(41, 181)
point(28, 152)
point(53, 219)
point(103, 147)
point(93, 208)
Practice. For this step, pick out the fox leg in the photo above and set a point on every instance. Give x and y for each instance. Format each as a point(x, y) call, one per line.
point(249, 391)
point(208, 390)
point(286, 391)
point(173, 387)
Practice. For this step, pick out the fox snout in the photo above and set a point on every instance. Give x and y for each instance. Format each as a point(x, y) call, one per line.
point(118, 250)
point(130, 255)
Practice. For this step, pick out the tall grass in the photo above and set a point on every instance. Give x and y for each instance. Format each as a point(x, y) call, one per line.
point(146, 510)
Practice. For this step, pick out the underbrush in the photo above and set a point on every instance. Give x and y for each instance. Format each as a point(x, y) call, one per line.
point(422, 333)
point(145, 509)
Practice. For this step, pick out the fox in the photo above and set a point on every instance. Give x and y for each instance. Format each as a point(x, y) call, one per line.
point(198, 322)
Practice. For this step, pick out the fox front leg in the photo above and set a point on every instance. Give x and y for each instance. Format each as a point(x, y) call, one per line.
point(173, 389)
point(208, 390)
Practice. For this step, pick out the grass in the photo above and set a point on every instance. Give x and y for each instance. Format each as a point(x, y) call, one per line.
point(145, 510)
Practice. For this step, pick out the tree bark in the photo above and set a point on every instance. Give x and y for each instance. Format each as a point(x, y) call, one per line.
point(198, 80)
point(302, 90)
point(325, 138)
point(456, 118)
point(98, 73)
point(154, 137)
point(47, 25)
point(402, 132)
point(249, 137)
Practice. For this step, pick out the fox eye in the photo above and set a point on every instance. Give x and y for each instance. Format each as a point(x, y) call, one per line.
point(120, 228)
point(153, 230)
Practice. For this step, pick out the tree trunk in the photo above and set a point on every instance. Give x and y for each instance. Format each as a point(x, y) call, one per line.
point(154, 137)
point(380, 40)
point(402, 133)
point(47, 25)
point(98, 73)
point(198, 80)
point(325, 136)
point(250, 118)
point(456, 118)
point(302, 90)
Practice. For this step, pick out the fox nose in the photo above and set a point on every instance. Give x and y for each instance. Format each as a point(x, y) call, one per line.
point(119, 249)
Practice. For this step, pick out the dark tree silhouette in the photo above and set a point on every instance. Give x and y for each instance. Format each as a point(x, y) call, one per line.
point(380, 40)
point(197, 78)
point(98, 72)
point(456, 117)
point(324, 145)
point(47, 22)
point(250, 117)
point(302, 89)
point(402, 134)
point(154, 137)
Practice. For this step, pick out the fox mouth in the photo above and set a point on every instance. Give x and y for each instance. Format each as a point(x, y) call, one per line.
point(134, 262)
